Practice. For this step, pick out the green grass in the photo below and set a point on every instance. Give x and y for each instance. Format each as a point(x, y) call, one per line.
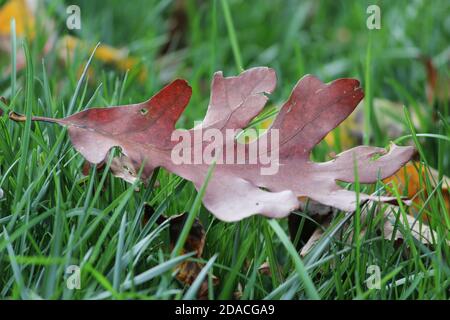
point(51, 216)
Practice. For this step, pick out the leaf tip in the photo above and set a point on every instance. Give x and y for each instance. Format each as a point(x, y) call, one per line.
point(17, 117)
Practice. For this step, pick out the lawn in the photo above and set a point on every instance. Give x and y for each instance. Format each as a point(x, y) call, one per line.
point(59, 216)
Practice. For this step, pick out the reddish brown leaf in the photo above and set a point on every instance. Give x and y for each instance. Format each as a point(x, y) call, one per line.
point(235, 191)
point(87, 167)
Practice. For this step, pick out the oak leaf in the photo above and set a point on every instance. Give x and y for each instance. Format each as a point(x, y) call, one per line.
point(144, 132)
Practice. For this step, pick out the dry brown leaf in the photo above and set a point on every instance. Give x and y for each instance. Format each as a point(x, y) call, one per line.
point(24, 13)
point(119, 58)
point(87, 167)
point(316, 236)
point(239, 291)
point(122, 168)
point(318, 214)
point(195, 242)
point(420, 231)
point(265, 268)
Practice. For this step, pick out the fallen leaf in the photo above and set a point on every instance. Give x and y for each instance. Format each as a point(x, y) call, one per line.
point(316, 236)
point(196, 238)
point(195, 242)
point(22, 12)
point(265, 268)
point(239, 292)
point(119, 58)
point(144, 132)
point(391, 227)
point(148, 213)
point(85, 170)
point(411, 179)
point(122, 168)
point(419, 230)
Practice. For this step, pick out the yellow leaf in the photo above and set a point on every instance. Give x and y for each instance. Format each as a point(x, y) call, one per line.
point(118, 58)
point(22, 14)
point(409, 179)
